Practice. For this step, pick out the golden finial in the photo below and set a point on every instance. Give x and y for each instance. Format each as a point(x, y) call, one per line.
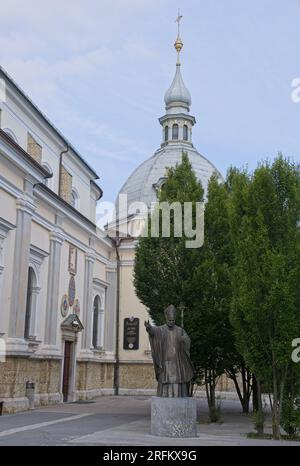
point(178, 43)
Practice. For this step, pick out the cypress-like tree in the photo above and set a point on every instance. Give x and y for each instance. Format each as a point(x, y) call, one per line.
point(265, 213)
point(163, 265)
point(197, 280)
point(214, 348)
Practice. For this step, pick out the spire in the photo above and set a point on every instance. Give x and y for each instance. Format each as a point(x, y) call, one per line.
point(178, 98)
point(178, 43)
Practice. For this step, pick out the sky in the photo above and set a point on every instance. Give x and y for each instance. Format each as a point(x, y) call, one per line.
point(99, 70)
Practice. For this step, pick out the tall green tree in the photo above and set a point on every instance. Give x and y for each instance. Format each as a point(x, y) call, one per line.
point(163, 265)
point(214, 351)
point(265, 213)
point(197, 279)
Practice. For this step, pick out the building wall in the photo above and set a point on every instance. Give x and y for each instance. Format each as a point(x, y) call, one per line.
point(130, 306)
point(46, 221)
point(40, 362)
point(26, 125)
point(137, 376)
point(14, 374)
point(94, 379)
point(37, 229)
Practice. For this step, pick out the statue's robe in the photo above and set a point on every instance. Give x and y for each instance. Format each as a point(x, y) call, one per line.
point(171, 357)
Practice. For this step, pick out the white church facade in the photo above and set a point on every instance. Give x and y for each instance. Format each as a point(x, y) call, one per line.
point(70, 322)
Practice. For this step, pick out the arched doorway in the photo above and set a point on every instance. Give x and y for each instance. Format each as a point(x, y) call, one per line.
point(70, 327)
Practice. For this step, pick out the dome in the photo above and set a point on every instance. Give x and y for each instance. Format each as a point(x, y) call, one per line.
point(142, 185)
point(178, 94)
point(177, 124)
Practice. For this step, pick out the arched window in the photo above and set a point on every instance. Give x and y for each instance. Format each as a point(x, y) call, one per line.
point(175, 131)
point(29, 302)
point(74, 199)
point(166, 133)
point(96, 322)
point(185, 133)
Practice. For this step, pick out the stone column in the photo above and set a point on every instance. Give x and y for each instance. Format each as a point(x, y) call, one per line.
point(5, 227)
point(111, 303)
point(56, 240)
point(25, 209)
point(86, 340)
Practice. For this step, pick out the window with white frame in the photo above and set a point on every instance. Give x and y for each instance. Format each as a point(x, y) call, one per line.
point(185, 133)
point(166, 133)
point(30, 303)
point(175, 131)
point(36, 259)
point(98, 323)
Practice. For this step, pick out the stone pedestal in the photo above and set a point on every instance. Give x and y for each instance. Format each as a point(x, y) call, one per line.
point(174, 417)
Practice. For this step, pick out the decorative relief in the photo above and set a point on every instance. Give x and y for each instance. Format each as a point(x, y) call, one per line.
point(72, 267)
point(76, 307)
point(64, 307)
point(72, 291)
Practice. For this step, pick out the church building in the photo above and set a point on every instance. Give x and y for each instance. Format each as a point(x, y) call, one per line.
point(71, 325)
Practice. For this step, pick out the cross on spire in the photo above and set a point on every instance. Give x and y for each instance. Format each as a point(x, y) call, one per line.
point(178, 19)
point(178, 43)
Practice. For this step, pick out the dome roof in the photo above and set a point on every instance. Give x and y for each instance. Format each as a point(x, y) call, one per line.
point(145, 181)
point(178, 92)
point(142, 184)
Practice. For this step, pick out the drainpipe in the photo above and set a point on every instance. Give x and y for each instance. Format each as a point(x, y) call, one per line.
point(117, 364)
point(60, 165)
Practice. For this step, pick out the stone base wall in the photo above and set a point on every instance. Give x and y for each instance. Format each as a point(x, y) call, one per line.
point(94, 379)
point(137, 376)
point(140, 378)
point(16, 371)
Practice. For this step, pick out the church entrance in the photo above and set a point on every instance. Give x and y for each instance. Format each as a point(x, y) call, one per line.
point(66, 370)
point(70, 328)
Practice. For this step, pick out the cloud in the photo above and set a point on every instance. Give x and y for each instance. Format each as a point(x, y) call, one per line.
point(99, 70)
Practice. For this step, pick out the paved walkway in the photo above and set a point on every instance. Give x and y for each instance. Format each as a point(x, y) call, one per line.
point(120, 421)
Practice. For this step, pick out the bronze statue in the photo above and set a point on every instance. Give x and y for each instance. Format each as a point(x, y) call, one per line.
point(170, 347)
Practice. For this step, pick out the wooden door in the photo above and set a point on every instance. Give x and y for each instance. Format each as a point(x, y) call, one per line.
point(66, 371)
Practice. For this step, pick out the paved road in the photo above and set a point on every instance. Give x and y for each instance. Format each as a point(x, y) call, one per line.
point(119, 421)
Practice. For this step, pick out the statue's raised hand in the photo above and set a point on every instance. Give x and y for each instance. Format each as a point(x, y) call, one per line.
point(147, 325)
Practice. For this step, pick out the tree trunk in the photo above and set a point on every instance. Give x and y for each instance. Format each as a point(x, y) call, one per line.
point(275, 410)
point(254, 394)
point(245, 394)
point(247, 388)
point(260, 425)
point(210, 387)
